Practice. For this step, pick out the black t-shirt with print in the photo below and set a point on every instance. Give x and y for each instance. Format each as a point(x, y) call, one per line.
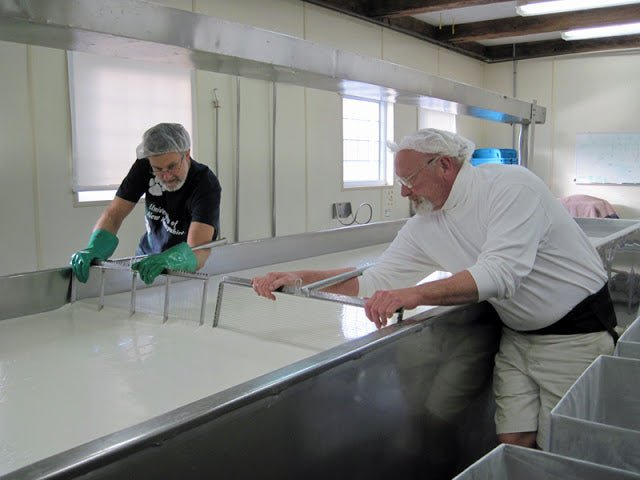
point(169, 214)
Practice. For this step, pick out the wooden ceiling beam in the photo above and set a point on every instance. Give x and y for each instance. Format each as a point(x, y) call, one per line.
point(424, 31)
point(518, 26)
point(404, 8)
point(351, 7)
point(552, 48)
point(465, 37)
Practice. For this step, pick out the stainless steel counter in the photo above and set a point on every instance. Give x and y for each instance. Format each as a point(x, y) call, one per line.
point(409, 399)
point(365, 407)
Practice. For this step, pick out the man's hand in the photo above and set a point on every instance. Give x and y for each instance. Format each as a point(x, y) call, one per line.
point(264, 286)
point(381, 306)
point(101, 246)
point(178, 257)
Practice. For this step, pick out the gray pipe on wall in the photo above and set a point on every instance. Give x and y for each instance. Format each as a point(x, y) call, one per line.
point(273, 163)
point(236, 230)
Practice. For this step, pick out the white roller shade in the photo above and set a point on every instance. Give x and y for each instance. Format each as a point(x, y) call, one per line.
point(113, 101)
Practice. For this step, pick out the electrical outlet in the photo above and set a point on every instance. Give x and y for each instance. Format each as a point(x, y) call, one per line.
point(341, 210)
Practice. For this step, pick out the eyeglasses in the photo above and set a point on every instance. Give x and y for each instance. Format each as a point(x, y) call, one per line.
point(171, 168)
point(406, 181)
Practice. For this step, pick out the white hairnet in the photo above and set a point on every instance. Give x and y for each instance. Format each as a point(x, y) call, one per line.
point(164, 138)
point(439, 142)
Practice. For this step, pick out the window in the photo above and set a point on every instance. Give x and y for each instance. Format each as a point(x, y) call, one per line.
point(113, 101)
point(366, 126)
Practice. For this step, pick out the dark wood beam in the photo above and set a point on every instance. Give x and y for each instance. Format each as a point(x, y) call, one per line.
point(465, 38)
point(518, 26)
point(503, 53)
point(351, 7)
point(403, 8)
point(424, 31)
point(413, 26)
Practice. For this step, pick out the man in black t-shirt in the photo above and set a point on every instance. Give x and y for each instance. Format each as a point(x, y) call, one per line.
point(182, 207)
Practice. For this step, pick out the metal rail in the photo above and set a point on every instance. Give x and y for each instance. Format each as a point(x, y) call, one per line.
point(327, 282)
point(141, 30)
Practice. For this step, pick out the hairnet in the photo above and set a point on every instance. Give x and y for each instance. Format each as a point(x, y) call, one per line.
point(164, 138)
point(439, 142)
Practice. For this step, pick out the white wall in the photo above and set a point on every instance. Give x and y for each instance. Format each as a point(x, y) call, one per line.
point(17, 163)
point(43, 227)
point(584, 93)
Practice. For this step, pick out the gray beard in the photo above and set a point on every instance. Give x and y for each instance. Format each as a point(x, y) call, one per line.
point(422, 206)
point(173, 188)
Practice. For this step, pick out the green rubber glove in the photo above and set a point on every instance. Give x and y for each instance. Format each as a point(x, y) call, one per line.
point(178, 257)
point(101, 246)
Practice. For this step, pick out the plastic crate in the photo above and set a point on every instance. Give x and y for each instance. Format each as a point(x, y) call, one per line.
point(483, 161)
point(598, 419)
point(519, 463)
point(509, 156)
point(482, 156)
point(486, 153)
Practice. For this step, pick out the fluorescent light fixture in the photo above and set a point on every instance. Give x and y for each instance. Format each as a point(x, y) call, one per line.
point(599, 32)
point(543, 7)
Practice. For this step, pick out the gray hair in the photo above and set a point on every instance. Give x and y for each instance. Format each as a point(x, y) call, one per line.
point(439, 142)
point(164, 138)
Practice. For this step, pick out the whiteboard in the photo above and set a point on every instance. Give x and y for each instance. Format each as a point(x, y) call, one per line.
point(612, 158)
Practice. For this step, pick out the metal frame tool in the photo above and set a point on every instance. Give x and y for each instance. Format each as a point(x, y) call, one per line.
point(124, 264)
point(311, 290)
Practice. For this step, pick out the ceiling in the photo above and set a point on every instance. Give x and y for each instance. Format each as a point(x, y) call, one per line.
point(490, 30)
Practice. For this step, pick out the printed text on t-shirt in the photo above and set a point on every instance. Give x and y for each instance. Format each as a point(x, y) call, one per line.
point(156, 213)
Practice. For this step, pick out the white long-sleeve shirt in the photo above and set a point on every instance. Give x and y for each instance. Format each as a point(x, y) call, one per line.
point(527, 255)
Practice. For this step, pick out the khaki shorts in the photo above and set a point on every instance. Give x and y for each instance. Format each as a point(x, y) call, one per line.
point(532, 373)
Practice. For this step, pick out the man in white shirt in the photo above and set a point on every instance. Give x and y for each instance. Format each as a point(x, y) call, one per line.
point(507, 240)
